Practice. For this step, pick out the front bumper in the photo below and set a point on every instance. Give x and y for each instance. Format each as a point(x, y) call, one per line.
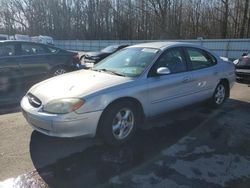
point(243, 74)
point(88, 63)
point(61, 125)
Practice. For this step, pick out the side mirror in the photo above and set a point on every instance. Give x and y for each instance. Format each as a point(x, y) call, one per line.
point(163, 71)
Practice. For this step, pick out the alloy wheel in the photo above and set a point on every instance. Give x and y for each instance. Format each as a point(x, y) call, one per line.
point(220, 94)
point(59, 72)
point(123, 123)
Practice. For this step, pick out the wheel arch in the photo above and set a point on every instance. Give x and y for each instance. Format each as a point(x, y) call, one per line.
point(66, 67)
point(135, 101)
point(226, 82)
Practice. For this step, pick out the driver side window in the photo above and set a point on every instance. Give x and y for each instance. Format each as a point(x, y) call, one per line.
point(173, 60)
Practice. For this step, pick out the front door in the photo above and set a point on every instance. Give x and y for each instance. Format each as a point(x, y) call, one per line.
point(168, 92)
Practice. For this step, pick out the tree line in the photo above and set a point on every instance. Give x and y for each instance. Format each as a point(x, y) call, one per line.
point(126, 19)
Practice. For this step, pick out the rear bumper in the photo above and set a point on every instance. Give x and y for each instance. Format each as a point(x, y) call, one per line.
point(68, 125)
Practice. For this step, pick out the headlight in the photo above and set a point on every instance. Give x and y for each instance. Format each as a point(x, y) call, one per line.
point(236, 61)
point(63, 106)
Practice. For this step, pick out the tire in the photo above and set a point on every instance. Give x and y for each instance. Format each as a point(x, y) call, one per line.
point(118, 123)
point(82, 57)
point(221, 93)
point(59, 71)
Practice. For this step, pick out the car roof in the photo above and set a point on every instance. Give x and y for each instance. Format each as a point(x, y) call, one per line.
point(21, 41)
point(162, 45)
point(27, 42)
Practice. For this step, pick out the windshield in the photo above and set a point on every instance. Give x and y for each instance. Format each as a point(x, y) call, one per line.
point(129, 62)
point(109, 49)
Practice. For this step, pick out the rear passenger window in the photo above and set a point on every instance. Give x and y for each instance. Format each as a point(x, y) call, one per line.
point(199, 59)
point(7, 50)
point(31, 49)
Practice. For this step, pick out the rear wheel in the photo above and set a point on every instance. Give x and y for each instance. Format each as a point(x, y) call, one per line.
point(118, 123)
point(220, 94)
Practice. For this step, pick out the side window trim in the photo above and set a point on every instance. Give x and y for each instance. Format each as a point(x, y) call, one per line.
point(181, 50)
point(209, 56)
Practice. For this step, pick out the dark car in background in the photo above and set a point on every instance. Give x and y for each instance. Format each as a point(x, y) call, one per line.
point(91, 58)
point(24, 63)
point(242, 66)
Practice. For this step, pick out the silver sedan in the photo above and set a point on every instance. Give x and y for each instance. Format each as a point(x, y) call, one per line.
point(140, 81)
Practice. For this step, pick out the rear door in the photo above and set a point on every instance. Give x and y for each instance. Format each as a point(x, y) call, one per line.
point(34, 62)
point(204, 72)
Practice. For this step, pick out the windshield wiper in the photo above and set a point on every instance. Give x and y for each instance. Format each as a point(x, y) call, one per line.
point(109, 71)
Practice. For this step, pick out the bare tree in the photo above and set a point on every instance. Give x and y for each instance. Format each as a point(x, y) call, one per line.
point(244, 21)
point(126, 19)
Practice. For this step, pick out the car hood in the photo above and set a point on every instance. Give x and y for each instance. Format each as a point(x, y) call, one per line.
point(75, 84)
point(224, 58)
point(94, 54)
point(243, 62)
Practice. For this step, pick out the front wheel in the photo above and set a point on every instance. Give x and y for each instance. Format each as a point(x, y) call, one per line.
point(118, 123)
point(58, 71)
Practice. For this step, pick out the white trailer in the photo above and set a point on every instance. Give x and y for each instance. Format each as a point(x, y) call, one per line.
point(4, 37)
point(43, 39)
point(22, 37)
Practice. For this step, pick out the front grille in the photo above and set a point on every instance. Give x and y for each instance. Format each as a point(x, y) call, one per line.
point(89, 61)
point(34, 101)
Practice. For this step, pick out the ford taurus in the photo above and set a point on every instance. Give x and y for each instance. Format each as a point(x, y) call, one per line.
point(141, 81)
